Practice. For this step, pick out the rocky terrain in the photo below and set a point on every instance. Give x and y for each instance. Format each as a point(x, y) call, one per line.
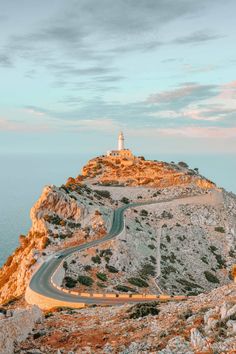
point(204, 324)
point(182, 243)
point(139, 172)
point(61, 218)
point(183, 246)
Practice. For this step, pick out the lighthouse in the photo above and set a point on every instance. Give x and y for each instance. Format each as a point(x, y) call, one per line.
point(121, 140)
point(121, 151)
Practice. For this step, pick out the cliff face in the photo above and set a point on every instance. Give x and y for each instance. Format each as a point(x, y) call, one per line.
point(138, 172)
point(60, 218)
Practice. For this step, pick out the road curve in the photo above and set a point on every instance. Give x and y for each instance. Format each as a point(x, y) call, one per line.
point(40, 282)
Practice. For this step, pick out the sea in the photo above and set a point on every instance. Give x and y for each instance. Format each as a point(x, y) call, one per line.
point(23, 176)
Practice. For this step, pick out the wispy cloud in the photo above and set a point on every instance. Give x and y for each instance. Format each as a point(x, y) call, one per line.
point(197, 37)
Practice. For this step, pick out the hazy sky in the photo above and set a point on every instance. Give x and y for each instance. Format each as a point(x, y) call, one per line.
point(73, 73)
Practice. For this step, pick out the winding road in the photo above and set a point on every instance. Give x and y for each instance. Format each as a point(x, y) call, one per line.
point(41, 282)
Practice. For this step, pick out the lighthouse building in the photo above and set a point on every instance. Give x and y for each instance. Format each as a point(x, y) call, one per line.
point(121, 152)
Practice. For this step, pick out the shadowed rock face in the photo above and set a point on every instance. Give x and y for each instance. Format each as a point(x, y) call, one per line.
point(138, 172)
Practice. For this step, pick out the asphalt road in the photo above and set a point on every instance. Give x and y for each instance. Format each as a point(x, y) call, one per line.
point(41, 280)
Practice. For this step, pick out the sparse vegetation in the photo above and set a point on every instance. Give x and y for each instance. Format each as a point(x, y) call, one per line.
point(96, 259)
point(111, 269)
point(220, 229)
point(70, 282)
point(144, 309)
point(138, 282)
point(211, 277)
point(85, 280)
point(102, 276)
point(103, 193)
point(125, 200)
point(124, 288)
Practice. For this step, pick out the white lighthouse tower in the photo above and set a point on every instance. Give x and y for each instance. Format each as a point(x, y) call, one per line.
point(121, 140)
point(121, 151)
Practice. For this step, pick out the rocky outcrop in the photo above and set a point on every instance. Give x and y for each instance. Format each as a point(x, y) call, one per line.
point(16, 325)
point(62, 217)
point(108, 170)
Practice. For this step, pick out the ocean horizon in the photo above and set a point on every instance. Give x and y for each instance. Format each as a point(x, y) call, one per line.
point(23, 177)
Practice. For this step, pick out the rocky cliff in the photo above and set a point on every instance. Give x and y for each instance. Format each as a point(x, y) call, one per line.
point(108, 170)
point(62, 217)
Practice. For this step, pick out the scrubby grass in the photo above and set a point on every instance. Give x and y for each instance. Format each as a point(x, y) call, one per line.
point(85, 280)
point(138, 282)
point(124, 288)
point(111, 269)
point(211, 277)
point(143, 309)
point(102, 276)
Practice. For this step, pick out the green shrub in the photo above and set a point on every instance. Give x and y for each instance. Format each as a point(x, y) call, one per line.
point(151, 246)
point(144, 212)
point(153, 260)
point(101, 285)
point(138, 282)
point(85, 280)
point(69, 282)
point(102, 276)
point(65, 265)
point(183, 164)
point(143, 309)
point(211, 277)
point(103, 193)
point(147, 270)
point(125, 200)
point(168, 238)
point(111, 269)
point(220, 229)
point(87, 267)
point(106, 252)
point(124, 288)
point(96, 259)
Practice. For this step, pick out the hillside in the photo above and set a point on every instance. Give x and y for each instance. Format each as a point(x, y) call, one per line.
point(106, 170)
point(181, 242)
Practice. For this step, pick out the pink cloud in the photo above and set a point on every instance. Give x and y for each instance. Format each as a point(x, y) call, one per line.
point(18, 126)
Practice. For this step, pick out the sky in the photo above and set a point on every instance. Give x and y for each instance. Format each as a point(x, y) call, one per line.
point(74, 73)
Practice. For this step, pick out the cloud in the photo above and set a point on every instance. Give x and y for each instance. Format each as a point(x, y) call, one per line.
point(187, 91)
point(8, 125)
point(196, 38)
point(5, 61)
point(192, 132)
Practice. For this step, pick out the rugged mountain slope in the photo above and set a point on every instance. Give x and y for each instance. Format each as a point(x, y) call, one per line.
point(203, 324)
point(76, 213)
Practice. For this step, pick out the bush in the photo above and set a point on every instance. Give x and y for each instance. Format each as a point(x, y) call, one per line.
point(152, 247)
point(102, 193)
point(85, 280)
point(147, 270)
point(87, 267)
point(125, 200)
point(138, 282)
point(96, 259)
point(111, 269)
point(220, 229)
point(143, 309)
point(211, 277)
point(65, 265)
point(183, 164)
point(124, 288)
point(102, 276)
point(69, 282)
point(101, 285)
point(144, 212)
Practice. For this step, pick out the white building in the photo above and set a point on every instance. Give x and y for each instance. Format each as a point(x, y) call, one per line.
point(122, 152)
